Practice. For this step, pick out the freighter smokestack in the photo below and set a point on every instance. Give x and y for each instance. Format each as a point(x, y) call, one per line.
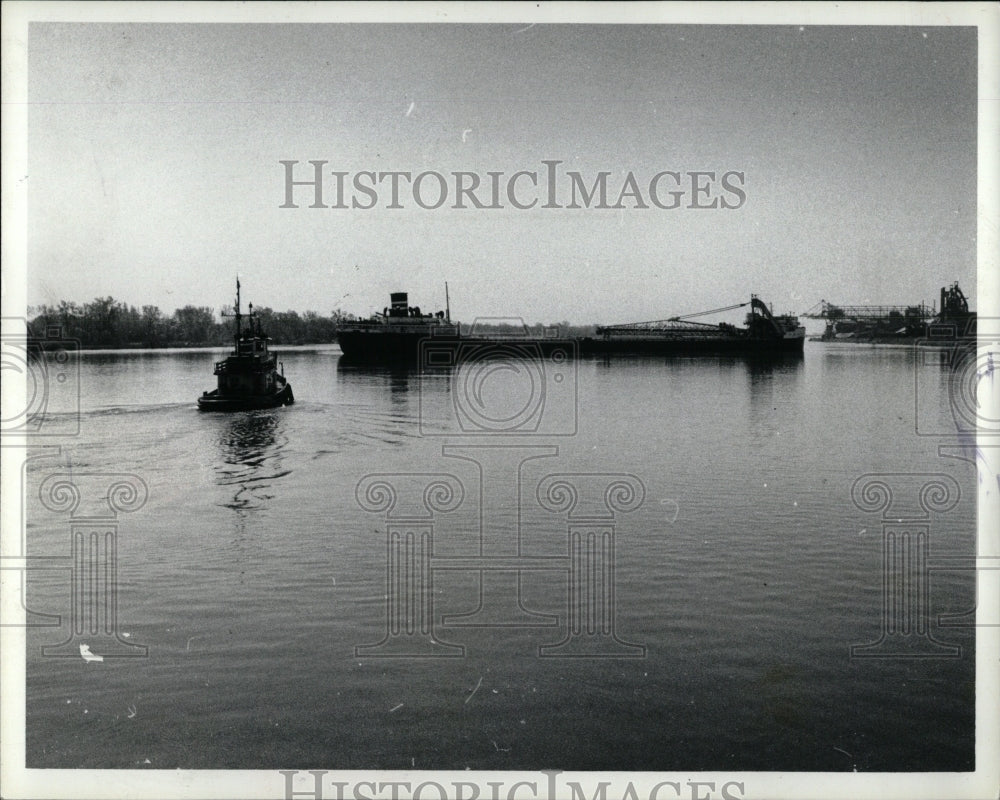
point(399, 304)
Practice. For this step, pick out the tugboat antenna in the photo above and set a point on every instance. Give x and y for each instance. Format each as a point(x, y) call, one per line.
point(238, 315)
point(447, 303)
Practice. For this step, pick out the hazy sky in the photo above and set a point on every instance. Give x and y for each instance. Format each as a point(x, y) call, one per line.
point(154, 167)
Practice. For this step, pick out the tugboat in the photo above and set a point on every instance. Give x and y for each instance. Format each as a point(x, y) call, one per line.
point(249, 376)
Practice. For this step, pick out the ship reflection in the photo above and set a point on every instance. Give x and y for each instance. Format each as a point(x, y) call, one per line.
point(765, 369)
point(756, 364)
point(773, 385)
point(251, 445)
point(396, 377)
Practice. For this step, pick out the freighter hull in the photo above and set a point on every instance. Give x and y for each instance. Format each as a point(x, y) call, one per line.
point(446, 351)
point(384, 345)
point(693, 346)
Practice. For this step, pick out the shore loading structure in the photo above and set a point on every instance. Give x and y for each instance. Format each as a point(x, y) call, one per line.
point(888, 324)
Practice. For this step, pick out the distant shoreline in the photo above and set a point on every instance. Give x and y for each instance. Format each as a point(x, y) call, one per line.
point(55, 344)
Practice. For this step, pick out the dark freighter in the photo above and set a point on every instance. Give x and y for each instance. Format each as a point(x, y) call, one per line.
point(403, 333)
point(248, 378)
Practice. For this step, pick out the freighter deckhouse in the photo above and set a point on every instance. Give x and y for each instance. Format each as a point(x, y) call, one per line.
point(764, 335)
point(396, 333)
point(249, 377)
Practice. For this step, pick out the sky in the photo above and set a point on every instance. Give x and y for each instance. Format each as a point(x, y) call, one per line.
point(155, 175)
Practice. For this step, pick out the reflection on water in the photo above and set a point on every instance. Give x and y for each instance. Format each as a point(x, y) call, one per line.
point(779, 361)
point(760, 372)
point(398, 390)
point(772, 384)
point(397, 377)
point(251, 445)
point(768, 367)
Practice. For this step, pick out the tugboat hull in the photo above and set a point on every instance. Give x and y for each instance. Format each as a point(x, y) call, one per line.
point(213, 401)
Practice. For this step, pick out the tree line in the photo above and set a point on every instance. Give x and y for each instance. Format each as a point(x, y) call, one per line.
point(106, 322)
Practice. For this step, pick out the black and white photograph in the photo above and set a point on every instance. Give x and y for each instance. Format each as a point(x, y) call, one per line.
point(500, 402)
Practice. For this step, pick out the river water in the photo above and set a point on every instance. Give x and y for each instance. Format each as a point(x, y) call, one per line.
point(656, 566)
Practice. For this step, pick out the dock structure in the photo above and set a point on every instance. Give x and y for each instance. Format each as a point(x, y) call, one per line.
point(954, 303)
point(825, 310)
point(893, 323)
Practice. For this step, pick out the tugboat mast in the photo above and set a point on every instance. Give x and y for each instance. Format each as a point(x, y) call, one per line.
point(239, 316)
